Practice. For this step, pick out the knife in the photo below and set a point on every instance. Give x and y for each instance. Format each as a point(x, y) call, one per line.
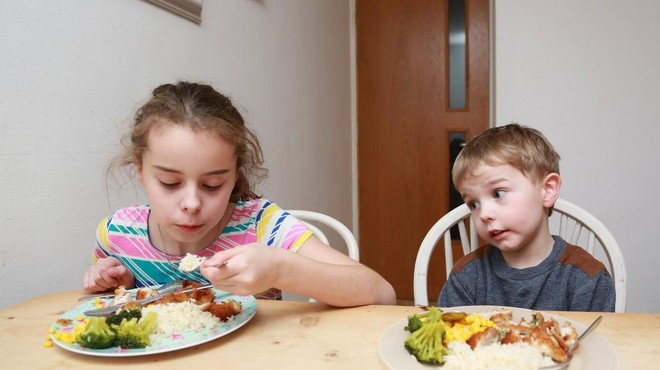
point(109, 310)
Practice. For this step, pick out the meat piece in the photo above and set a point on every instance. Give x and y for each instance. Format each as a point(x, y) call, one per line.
point(569, 334)
point(226, 309)
point(122, 296)
point(512, 336)
point(64, 322)
point(553, 328)
point(484, 338)
point(145, 292)
point(548, 344)
point(500, 317)
point(202, 296)
point(537, 318)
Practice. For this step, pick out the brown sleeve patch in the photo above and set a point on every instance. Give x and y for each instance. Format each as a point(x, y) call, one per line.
point(480, 253)
point(580, 258)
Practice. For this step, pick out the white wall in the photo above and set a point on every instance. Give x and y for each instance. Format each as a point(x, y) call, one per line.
point(586, 74)
point(72, 73)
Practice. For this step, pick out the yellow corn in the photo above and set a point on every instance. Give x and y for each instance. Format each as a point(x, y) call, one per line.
point(464, 329)
point(70, 336)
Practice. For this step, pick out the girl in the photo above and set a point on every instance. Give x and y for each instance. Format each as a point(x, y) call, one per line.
point(195, 158)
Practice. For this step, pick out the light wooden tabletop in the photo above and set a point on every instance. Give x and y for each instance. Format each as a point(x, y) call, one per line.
point(283, 334)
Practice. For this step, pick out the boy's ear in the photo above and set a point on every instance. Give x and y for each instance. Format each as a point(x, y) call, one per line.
point(551, 185)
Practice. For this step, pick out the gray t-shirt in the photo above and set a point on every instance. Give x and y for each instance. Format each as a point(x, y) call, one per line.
point(570, 279)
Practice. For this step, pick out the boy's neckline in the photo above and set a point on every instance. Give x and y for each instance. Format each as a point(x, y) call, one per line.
point(529, 261)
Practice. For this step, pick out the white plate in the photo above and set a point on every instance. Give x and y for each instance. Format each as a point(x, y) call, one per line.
point(184, 340)
point(595, 352)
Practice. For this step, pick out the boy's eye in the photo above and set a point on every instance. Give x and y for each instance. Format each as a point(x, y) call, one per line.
point(473, 205)
point(499, 193)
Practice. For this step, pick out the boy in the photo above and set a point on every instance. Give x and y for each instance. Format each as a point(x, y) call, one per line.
point(509, 177)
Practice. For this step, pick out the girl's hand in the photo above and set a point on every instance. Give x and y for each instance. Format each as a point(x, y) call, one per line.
point(105, 274)
point(244, 270)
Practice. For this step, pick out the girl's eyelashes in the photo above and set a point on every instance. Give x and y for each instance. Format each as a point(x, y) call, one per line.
point(212, 187)
point(174, 185)
point(499, 193)
point(169, 185)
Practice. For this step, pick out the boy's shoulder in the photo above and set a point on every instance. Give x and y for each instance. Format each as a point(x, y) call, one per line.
point(581, 259)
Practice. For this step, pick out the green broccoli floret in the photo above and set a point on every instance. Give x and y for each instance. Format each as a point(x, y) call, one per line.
point(135, 333)
point(117, 317)
point(97, 334)
point(414, 323)
point(426, 342)
point(417, 320)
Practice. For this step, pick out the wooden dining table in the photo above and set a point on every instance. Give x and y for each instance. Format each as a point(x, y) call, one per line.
point(282, 335)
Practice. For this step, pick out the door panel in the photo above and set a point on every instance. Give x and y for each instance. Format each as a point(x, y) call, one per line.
point(404, 127)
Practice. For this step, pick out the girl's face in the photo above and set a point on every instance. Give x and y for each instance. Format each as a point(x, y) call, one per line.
point(508, 208)
point(188, 177)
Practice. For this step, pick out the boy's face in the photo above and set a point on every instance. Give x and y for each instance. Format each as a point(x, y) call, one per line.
point(508, 208)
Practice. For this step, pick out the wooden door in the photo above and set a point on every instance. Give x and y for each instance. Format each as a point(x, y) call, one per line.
point(404, 127)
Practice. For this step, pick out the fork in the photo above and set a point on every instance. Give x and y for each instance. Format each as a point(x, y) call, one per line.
point(161, 289)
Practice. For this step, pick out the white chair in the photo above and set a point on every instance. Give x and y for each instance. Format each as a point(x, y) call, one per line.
point(312, 219)
point(315, 219)
point(572, 223)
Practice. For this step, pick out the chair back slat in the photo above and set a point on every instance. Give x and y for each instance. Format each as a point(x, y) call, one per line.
point(591, 242)
point(575, 235)
point(474, 237)
point(449, 252)
point(465, 242)
point(563, 222)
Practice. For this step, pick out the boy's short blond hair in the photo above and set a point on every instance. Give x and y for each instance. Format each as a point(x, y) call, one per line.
point(519, 146)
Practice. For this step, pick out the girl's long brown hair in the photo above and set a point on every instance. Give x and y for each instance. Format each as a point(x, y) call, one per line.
point(201, 108)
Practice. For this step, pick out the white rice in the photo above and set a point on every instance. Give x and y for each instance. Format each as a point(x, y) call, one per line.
point(177, 318)
point(495, 357)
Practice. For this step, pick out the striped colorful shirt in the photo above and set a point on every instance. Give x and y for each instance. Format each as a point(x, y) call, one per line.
point(125, 236)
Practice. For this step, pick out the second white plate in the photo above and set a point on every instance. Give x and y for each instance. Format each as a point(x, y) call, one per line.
point(595, 352)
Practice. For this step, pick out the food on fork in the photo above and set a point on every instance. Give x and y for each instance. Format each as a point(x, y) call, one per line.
point(488, 337)
point(190, 262)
